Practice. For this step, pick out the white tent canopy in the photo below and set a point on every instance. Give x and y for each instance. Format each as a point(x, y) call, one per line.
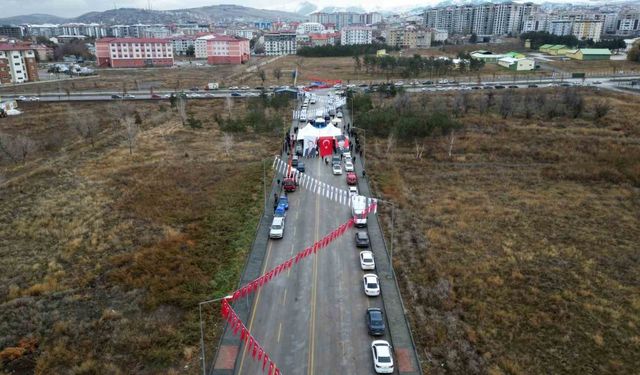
point(310, 134)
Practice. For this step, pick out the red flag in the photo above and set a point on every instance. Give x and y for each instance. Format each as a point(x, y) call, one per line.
point(277, 371)
point(260, 353)
point(271, 368)
point(237, 327)
point(225, 309)
point(260, 281)
point(250, 342)
point(265, 359)
point(243, 333)
point(254, 352)
point(236, 296)
point(299, 256)
point(325, 145)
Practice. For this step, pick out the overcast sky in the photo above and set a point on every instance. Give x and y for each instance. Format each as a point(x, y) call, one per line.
point(73, 8)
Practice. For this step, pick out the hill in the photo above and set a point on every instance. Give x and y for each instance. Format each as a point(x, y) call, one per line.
point(208, 14)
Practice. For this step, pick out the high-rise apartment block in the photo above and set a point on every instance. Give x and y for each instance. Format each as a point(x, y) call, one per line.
point(280, 43)
point(344, 19)
point(356, 35)
point(17, 63)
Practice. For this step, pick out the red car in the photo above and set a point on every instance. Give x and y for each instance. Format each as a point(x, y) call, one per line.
point(352, 179)
point(156, 96)
point(289, 185)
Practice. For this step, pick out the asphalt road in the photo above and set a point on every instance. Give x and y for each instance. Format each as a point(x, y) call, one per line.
point(311, 320)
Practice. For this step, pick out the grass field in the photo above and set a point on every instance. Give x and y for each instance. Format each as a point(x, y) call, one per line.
point(519, 253)
point(599, 67)
point(107, 253)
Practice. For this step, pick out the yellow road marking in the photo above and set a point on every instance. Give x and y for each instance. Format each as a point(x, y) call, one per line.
point(254, 308)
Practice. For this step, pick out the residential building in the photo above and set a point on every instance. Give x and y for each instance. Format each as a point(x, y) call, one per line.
point(309, 27)
point(482, 19)
point(46, 30)
point(191, 28)
point(409, 37)
point(182, 43)
point(590, 54)
point(356, 35)
point(17, 63)
point(263, 25)
point(43, 52)
point(222, 49)
point(439, 35)
point(424, 38)
point(92, 30)
point(628, 24)
point(344, 19)
point(280, 43)
point(588, 29)
point(535, 22)
point(11, 31)
point(156, 32)
point(133, 52)
point(560, 27)
point(242, 33)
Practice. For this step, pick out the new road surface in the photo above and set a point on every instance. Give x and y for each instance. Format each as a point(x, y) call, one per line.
point(311, 319)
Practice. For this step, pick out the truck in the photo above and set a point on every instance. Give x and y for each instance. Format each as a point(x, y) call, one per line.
point(358, 205)
point(212, 86)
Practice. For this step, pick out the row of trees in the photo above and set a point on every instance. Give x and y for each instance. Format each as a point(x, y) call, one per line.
point(415, 66)
point(343, 51)
point(539, 38)
point(261, 116)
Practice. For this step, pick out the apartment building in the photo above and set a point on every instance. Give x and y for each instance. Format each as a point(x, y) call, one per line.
point(483, 19)
point(11, 31)
point(17, 63)
point(222, 49)
point(309, 27)
point(344, 19)
point(628, 24)
point(133, 52)
point(588, 29)
point(560, 27)
point(410, 37)
point(92, 30)
point(280, 43)
point(356, 35)
point(182, 43)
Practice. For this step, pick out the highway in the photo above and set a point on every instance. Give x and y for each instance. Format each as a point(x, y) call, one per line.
point(609, 83)
point(312, 320)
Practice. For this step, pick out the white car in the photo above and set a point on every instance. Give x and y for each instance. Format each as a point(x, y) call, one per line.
point(339, 115)
point(313, 101)
point(337, 169)
point(371, 285)
point(277, 228)
point(34, 99)
point(353, 190)
point(348, 166)
point(22, 98)
point(382, 359)
point(129, 96)
point(244, 88)
point(347, 155)
point(233, 88)
point(366, 260)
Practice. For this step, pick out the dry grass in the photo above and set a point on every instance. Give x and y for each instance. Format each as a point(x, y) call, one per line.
point(520, 254)
point(106, 254)
point(601, 67)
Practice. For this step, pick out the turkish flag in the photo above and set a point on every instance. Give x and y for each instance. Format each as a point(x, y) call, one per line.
point(325, 144)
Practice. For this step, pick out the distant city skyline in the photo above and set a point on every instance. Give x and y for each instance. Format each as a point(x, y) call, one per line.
point(74, 8)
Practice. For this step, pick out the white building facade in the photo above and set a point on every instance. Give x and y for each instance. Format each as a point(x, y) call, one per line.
point(351, 35)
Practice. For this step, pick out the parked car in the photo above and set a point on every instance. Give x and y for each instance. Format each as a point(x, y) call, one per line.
point(284, 201)
point(233, 88)
point(337, 169)
point(277, 227)
point(375, 321)
point(382, 360)
point(339, 115)
point(34, 99)
point(290, 185)
point(352, 179)
point(156, 96)
point(499, 86)
point(116, 96)
point(194, 89)
point(294, 160)
point(236, 94)
point(353, 190)
point(348, 166)
point(371, 285)
point(244, 88)
point(366, 260)
point(22, 98)
point(129, 96)
point(362, 239)
point(532, 85)
point(513, 86)
point(300, 167)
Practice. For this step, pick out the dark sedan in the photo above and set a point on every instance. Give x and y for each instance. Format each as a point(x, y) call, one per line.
point(375, 321)
point(362, 239)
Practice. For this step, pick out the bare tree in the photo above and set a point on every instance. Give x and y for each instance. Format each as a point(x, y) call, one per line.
point(458, 105)
point(601, 109)
point(227, 143)
point(131, 132)
point(506, 105)
point(573, 101)
point(452, 136)
point(527, 106)
point(229, 103)
point(181, 106)
point(262, 75)
point(277, 74)
point(87, 126)
point(419, 149)
point(391, 143)
point(16, 147)
point(401, 103)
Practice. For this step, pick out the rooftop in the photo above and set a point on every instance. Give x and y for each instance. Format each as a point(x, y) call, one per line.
point(132, 40)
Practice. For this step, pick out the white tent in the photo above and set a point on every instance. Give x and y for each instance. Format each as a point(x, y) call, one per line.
point(310, 134)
